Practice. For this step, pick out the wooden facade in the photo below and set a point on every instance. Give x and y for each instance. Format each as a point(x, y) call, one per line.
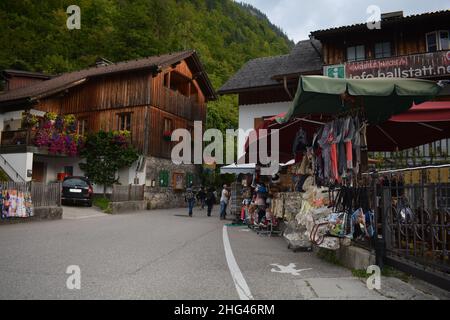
point(18, 79)
point(405, 35)
point(149, 100)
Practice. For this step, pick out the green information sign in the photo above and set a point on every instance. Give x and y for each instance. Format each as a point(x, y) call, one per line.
point(336, 71)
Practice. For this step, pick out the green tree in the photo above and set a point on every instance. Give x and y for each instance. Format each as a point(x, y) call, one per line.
point(106, 153)
point(225, 33)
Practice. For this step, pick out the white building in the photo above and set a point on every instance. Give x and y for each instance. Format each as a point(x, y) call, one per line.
point(266, 86)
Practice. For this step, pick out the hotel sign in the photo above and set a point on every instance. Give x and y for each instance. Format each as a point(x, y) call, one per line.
point(412, 66)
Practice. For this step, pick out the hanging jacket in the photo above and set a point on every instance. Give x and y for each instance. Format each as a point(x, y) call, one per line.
point(326, 150)
point(349, 134)
point(356, 146)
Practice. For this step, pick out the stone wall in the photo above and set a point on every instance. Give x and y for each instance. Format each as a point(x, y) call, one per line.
point(40, 214)
point(127, 206)
point(165, 198)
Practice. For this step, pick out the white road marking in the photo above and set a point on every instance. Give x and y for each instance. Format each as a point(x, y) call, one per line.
point(290, 269)
point(238, 279)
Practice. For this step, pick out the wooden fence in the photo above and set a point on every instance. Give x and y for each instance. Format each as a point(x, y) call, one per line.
point(127, 193)
point(46, 194)
point(42, 194)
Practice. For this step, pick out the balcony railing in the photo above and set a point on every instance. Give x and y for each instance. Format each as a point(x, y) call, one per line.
point(180, 105)
point(17, 138)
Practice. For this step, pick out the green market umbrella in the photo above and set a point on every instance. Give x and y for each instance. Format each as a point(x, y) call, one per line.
point(378, 99)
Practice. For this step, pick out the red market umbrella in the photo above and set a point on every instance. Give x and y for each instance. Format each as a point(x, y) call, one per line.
point(420, 125)
point(436, 111)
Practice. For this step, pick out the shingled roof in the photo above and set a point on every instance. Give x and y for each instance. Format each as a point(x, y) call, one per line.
point(305, 58)
point(71, 79)
point(255, 73)
point(416, 18)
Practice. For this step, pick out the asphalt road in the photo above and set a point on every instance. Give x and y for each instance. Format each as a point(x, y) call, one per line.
point(166, 255)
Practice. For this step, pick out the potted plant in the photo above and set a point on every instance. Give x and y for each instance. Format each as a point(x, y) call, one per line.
point(29, 121)
point(51, 117)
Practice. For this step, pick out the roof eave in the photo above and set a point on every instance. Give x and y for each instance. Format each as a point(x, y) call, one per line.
point(15, 105)
point(296, 75)
point(212, 95)
point(319, 34)
point(248, 89)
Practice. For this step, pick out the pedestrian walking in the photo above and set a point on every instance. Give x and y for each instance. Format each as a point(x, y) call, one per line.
point(224, 199)
point(201, 196)
point(210, 200)
point(190, 199)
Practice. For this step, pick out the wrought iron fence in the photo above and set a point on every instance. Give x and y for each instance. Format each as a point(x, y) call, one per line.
point(416, 217)
point(127, 193)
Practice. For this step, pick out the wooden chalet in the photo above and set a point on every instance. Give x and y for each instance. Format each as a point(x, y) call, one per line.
point(147, 97)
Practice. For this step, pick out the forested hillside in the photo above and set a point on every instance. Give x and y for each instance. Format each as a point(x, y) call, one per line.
point(226, 34)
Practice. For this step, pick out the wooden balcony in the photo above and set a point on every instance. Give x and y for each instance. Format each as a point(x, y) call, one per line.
point(20, 141)
point(180, 105)
point(17, 138)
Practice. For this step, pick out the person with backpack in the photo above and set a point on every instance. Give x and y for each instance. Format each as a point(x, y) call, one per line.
point(210, 200)
point(201, 196)
point(190, 199)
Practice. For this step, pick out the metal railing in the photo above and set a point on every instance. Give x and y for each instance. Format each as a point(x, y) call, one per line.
point(434, 153)
point(10, 170)
point(415, 206)
point(127, 193)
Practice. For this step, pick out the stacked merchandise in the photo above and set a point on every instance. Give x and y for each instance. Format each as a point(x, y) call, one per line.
point(257, 210)
point(327, 216)
point(236, 198)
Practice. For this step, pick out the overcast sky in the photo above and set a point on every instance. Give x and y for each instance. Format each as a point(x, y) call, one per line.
point(299, 17)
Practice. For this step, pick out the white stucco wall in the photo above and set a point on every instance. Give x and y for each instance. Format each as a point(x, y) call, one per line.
point(56, 165)
point(248, 114)
point(21, 162)
point(14, 119)
point(127, 175)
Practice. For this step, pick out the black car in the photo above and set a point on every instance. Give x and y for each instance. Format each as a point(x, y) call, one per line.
point(77, 190)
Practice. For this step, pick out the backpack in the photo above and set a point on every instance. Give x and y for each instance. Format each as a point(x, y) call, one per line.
point(190, 195)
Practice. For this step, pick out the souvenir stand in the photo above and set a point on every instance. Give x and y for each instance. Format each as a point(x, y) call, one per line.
point(329, 130)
